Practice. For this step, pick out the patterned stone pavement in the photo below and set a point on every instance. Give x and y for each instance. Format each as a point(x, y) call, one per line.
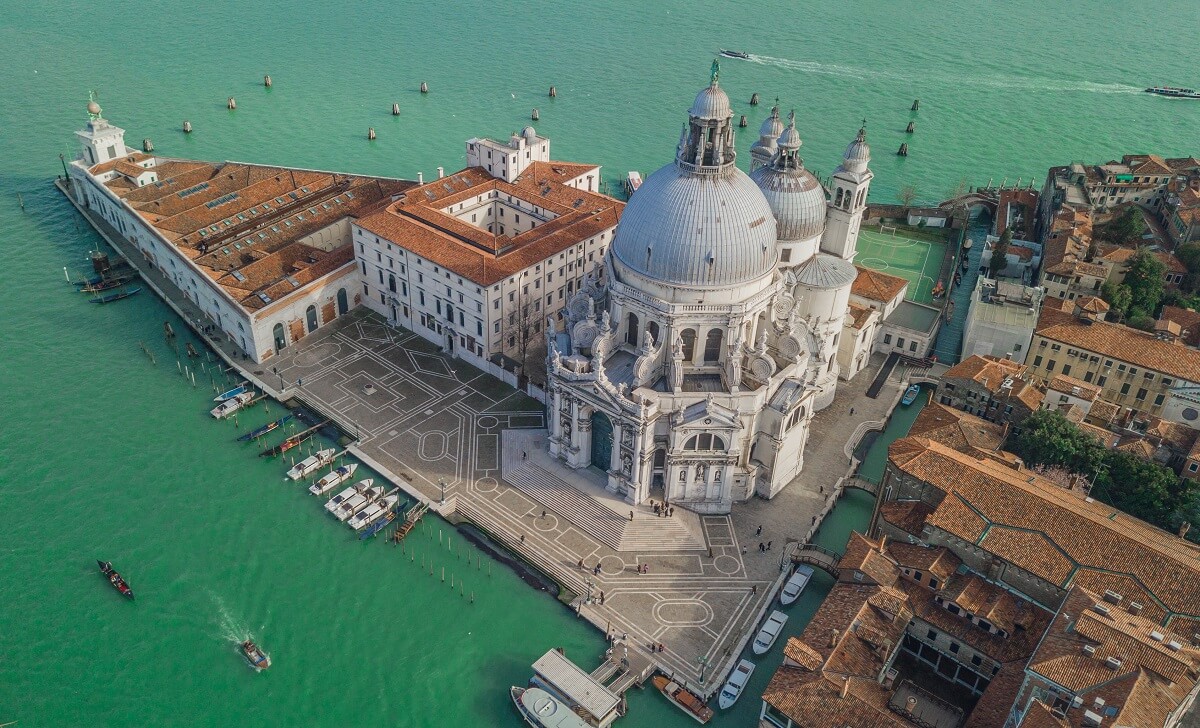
point(425, 420)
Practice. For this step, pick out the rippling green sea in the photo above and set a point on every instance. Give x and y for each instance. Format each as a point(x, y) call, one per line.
point(104, 454)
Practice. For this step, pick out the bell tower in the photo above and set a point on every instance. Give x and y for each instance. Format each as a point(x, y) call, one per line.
point(848, 199)
point(101, 141)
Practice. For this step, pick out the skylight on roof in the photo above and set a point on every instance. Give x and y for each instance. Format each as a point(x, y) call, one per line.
point(264, 298)
point(192, 190)
point(295, 283)
point(221, 200)
point(237, 275)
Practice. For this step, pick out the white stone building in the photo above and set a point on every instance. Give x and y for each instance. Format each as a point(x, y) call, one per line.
point(691, 372)
point(1001, 319)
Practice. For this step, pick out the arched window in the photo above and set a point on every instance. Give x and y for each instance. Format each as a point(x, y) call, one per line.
point(343, 305)
point(391, 283)
point(311, 315)
point(280, 338)
point(712, 346)
point(689, 343)
point(837, 201)
point(631, 330)
point(652, 327)
point(705, 441)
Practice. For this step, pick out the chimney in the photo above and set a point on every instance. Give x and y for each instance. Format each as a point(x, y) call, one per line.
point(1135, 608)
point(882, 543)
point(1184, 528)
point(833, 638)
point(420, 178)
point(910, 705)
point(845, 686)
point(441, 172)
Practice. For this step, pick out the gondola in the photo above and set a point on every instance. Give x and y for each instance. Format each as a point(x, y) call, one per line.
point(116, 296)
point(287, 444)
point(269, 427)
point(114, 578)
point(105, 284)
point(378, 525)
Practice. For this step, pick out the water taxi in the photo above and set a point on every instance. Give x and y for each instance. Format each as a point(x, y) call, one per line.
point(795, 585)
point(354, 501)
point(684, 699)
point(333, 478)
point(231, 405)
point(309, 465)
point(332, 504)
point(375, 509)
point(1174, 92)
point(770, 632)
point(735, 684)
point(540, 709)
point(735, 54)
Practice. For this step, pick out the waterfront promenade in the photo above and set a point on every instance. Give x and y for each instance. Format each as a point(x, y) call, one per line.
point(472, 447)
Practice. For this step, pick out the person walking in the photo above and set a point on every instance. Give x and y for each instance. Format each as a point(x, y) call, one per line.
point(768, 545)
point(762, 548)
point(744, 551)
point(631, 515)
point(581, 564)
point(522, 538)
point(672, 510)
point(758, 532)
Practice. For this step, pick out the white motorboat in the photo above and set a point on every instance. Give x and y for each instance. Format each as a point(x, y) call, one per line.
point(735, 684)
point(351, 505)
point(540, 709)
point(795, 585)
point(310, 464)
point(332, 504)
point(365, 516)
point(769, 632)
point(231, 405)
point(333, 478)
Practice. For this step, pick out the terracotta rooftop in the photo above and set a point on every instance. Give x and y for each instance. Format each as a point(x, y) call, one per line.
point(1074, 387)
point(857, 316)
point(243, 224)
point(877, 286)
point(1120, 342)
point(1039, 527)
point(422, 222)
point(957, 429)
point(989, 371)
point(1188, 320)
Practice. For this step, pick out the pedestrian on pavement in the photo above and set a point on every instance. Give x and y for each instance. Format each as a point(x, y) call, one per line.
point(851, 410)
point(758, 532)
point(768, 545)
point(646, 569)
point(743, 551)
point(524, 454)
point(631, 515)
point(596, 570)
point(672, 510)
point(762, 548)
point(601, 598)
point(754, 589)
point(522, 538)
point(543, 514)
point(581, 564)
point(662, 647)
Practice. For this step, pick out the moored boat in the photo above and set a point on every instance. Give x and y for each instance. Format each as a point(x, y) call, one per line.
point(333, 478)
point(230, 394)
point(105, 284)
point(356, 502)
point(254, 655)
point(735, 684)
point(269, 427)
point(684, 699)
point(231, 405)
point(311, 463)
point(118, 583)
point(540, 709)
point(379, 524)
point(910, 395)
point(769, 632)
point(795, 584)
point(333, 503)
point(735, 54)
point(116, 296)
point(363, 517)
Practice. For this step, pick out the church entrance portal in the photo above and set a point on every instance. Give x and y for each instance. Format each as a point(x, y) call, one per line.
point(602, 441)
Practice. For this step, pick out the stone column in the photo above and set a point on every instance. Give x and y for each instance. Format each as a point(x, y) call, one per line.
point(553, 420)
point(614, 457)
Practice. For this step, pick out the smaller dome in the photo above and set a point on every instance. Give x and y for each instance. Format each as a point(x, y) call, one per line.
point(858, 154)
point(529, 133)
point(772, 126)
point(711, 103)
point(93, 108)
point(826, 271)
point(790, 138)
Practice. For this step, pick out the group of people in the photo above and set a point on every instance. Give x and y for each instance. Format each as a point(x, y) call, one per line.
point(662, 509)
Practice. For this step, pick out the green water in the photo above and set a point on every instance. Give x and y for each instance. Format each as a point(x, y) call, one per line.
point(103, 454)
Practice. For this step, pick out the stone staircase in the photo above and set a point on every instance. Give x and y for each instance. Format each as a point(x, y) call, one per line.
point(584, 511)
point(648, 533)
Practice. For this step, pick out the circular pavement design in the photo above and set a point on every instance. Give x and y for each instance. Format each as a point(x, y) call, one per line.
point(315, 355)
point(683, 613)
point(727, 565)
point(485, 485)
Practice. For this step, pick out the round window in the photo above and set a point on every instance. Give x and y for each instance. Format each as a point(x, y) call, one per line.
point(1190, 414)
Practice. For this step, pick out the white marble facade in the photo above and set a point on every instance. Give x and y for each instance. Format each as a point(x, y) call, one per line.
point(689, 369)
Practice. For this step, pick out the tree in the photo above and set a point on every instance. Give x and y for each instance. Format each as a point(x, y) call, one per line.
point(1141, 488)
point(524, 337)
point(1145, 281)
point(1126, 228)
point(1049, 439)
point(1000, 253)
point(1189, 255)
point(907, 195)
point(1118, 299)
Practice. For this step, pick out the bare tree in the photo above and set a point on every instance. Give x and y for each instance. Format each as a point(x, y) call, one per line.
point(524, 337)
point(907, 195)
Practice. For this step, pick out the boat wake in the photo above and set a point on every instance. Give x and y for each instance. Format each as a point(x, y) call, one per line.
point(1048, 85)
point(229, 626)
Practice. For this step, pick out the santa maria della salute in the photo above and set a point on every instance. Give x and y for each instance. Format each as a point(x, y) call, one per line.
point(691, 368)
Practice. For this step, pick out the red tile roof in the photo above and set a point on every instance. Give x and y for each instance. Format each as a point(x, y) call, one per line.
point(875, 285)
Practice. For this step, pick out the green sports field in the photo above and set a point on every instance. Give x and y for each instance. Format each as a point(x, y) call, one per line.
point(917, 260)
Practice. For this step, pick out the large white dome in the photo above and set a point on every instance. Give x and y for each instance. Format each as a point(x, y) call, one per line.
point(693, 230)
